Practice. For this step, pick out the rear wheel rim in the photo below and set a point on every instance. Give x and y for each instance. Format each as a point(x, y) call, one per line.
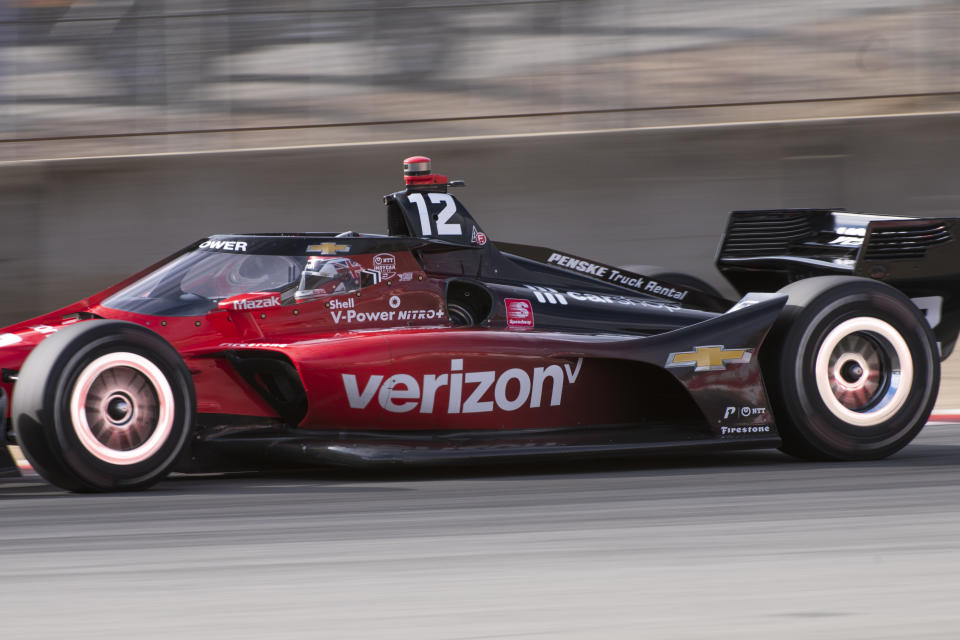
point(122, 408)
point(864, 371)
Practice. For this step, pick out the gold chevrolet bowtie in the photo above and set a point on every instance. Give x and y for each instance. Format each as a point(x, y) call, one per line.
point(328, 248)
point(710, 358)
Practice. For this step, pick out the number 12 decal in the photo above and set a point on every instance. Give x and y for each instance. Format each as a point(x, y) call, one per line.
point(444, 226)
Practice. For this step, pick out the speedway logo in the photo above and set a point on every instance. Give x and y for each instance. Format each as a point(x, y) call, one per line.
point(549, 295)
point(519, 313)
point(467, 392)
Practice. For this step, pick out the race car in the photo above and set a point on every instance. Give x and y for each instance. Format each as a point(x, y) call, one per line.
point(433, 344)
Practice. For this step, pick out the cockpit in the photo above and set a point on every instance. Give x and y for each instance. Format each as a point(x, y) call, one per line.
point(196, 282)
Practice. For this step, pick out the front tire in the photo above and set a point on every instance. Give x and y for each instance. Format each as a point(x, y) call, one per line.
point(103, 405)
point(852, 369)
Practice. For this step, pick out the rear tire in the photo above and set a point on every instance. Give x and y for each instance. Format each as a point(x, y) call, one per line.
point(103, 405)
point(851, 368)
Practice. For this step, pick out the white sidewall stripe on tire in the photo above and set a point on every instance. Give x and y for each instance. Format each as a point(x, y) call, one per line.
point(886, 333)
point(165, 414)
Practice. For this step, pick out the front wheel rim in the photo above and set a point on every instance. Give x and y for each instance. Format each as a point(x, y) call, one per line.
point(122, 408)
point(864, 371)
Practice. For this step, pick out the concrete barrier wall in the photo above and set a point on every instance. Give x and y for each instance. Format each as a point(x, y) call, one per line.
point(111, 71)
point(661, 197)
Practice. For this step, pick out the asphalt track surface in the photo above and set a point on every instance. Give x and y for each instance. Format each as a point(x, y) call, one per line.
point(733, 545)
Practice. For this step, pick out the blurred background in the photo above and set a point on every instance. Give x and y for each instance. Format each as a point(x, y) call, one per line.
point(624, 129)
point(83, 77)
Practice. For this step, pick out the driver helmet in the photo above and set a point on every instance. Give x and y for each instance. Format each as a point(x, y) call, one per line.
point(324, 276)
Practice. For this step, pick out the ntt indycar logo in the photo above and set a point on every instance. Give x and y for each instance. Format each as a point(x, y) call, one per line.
point(465, 392)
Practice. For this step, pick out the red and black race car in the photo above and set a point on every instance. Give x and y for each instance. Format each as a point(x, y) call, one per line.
point(434, 344)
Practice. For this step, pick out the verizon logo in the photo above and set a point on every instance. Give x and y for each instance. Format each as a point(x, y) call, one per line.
point(466, 392)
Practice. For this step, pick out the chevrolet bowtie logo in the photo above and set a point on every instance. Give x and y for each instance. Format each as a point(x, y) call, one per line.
point(711, 358)
point(328, 248)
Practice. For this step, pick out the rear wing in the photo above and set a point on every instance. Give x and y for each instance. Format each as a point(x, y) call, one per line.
point(765, 250)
